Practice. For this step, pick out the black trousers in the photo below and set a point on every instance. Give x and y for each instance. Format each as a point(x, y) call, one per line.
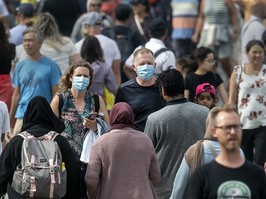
point(83, 188)
point(254, 145)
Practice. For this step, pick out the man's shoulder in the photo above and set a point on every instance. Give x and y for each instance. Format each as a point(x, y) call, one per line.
point(22, 63)
point(104, 38)
point(159, 114)
point(253, 167)
point(48, 60)
point(195, 106)
point(129, 83)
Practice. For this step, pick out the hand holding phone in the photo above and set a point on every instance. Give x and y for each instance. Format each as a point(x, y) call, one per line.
point(92, 115)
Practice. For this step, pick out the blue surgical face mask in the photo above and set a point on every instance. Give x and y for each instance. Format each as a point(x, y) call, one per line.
point(81, 83)
point(145, 71)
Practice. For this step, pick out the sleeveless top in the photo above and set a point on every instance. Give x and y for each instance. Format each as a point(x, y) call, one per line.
point(216, 14)
point(251, 97)
point(73, 120)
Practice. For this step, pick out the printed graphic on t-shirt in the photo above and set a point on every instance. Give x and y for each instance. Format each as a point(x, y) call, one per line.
point(233, 190)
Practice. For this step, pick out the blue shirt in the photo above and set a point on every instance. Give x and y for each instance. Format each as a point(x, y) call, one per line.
point(35, 78)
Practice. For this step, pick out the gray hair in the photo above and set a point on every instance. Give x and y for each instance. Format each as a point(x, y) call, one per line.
point(38, 34)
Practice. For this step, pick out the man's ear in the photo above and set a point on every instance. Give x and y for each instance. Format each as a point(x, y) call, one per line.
point(134, 67)
point(213, 132)
point(163, 92)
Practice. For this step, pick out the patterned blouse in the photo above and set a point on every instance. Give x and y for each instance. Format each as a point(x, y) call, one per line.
point(73, 120)
point(251, 97)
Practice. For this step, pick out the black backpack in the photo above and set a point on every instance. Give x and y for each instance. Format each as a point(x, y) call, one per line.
point(125, 46)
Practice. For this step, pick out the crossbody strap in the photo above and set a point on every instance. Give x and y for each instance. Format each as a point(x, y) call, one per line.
point(211, 148)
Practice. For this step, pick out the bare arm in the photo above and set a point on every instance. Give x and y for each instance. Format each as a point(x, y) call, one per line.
point(234, 19)
point(103, 110)
point(199, 24)
point(117, 72)
point(233, 89)
point(14, 104)
point(223, 93)
point(54, 89)
point(186, 93)
point(54, 105)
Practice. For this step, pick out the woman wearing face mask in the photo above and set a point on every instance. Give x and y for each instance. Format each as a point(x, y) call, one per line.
point(78, 102)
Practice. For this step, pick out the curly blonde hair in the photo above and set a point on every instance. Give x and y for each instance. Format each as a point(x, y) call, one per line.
point(65, 82)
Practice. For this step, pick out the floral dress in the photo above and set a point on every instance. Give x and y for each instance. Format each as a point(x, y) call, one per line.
point(251, 97)
point(73, 120)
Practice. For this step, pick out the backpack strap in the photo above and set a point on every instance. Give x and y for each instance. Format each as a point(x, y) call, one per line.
point(97, 103)
point(60, 104)
point(160, 51)
point(130, 34)
point(51, 135)
point(24, 134)
point(211, 148)
point(251, 21)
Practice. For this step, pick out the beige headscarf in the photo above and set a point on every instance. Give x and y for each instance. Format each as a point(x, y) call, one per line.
point(194, 155)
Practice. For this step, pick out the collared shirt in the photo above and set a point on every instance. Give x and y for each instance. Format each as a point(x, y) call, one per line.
point(176, 101)
point(163, 61)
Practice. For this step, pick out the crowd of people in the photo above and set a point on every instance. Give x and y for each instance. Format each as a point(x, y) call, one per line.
point(146, 99)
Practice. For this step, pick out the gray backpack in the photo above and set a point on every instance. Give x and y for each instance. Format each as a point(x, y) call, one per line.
point(42, 173)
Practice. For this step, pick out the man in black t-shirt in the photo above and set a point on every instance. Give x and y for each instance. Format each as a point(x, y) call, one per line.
point(140, 92)
point(229, 175)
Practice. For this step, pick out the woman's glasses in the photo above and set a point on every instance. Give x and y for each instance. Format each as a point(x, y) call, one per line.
point(211, 61)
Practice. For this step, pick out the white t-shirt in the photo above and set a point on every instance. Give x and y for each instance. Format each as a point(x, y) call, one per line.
point(110, 49)
point(3, 10)
point(4, 121)
point(61, 57)
point(163, 61)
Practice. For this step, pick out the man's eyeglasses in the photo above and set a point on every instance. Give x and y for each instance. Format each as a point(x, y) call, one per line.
point(227, 128)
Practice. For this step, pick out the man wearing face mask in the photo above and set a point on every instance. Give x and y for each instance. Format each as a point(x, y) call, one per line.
point(164, 57)
point(140, 92)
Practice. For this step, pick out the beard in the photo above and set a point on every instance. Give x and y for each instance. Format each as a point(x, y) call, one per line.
point(231, 144)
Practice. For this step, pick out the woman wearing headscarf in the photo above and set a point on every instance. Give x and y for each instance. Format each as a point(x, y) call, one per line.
point(38, 120)
point(202, 152)
point(123, 162)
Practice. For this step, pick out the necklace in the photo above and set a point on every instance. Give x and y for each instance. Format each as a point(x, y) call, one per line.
point(79, 104)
